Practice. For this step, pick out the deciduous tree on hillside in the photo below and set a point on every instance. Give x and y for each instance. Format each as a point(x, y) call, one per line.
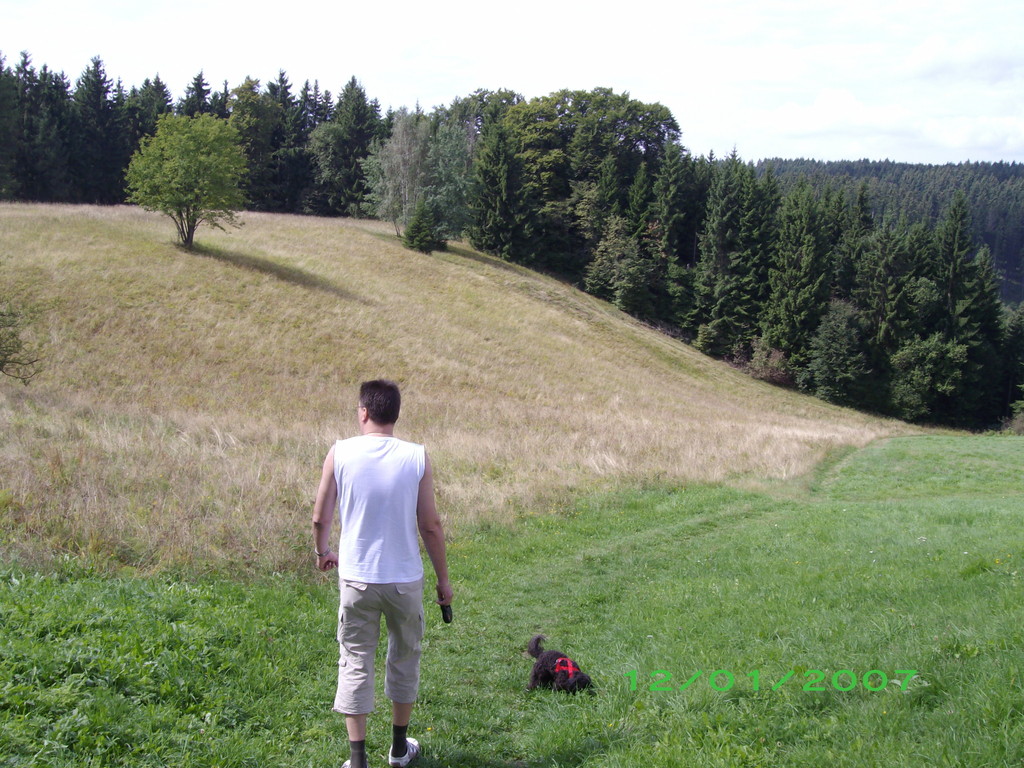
point(17, 359)
point(191, 170)
point(450, 175)
point(396, 170)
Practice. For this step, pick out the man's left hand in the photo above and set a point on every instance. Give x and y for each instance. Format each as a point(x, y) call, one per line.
point(327, 560)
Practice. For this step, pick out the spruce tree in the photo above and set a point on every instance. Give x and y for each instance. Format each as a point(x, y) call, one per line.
point(640, 198)
point(673, 295)
point(759, 234)
point(669, 200)
point(715, 282)
point(884, 293)
point(731, 274)
point(197, 98)
point(101, 148)
point(290, 130)
point(971, 317)
point(220, 103)
point(980, 328)
point(699, 176)
point(144, 106)
point(9, 133)
point(622, 272)
point(311, 111)
point(849, 251)
point(359, 125)
point(837, 366)
point(798, 279)
point(950, 265)
point(422, 233)
point(42, 157)
point(503, 215)
point(609, 187)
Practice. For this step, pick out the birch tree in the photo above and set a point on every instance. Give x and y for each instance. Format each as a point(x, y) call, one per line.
point(397, 169)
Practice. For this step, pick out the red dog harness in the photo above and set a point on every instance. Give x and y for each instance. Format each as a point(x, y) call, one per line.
point(566, 665)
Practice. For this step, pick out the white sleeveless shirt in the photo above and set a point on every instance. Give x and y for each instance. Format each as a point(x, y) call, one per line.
point(378, 486)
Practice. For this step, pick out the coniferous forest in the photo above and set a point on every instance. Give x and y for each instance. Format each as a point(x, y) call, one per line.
point(884, 286)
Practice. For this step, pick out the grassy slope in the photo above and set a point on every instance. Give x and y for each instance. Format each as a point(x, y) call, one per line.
point(187, 399)
point(185, 406)
point(886, 565)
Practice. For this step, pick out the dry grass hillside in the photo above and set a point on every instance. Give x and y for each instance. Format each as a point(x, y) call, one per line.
point(187, 399)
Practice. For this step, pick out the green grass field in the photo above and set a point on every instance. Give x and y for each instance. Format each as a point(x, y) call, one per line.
point(706, 546)
point(905, 555)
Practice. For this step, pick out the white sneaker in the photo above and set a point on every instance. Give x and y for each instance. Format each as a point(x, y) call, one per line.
point(411, 753)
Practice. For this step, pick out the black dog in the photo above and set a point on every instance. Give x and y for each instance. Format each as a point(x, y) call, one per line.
point(554, 669)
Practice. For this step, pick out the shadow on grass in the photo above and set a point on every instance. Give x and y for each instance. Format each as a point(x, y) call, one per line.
point(283, 272)
point(463, 758)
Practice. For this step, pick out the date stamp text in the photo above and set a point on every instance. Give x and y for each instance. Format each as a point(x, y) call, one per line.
point(663, 681)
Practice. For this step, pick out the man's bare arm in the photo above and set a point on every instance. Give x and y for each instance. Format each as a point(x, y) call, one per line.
point(323, 515)
point(432, 532)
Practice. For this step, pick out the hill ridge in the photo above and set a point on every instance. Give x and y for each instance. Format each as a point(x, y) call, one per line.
point(187, 399)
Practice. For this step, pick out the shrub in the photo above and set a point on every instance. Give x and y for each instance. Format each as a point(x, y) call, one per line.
point(17, 360)
point(1016, 422)
point(769, 364)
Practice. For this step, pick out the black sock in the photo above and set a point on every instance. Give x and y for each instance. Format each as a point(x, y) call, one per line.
point(358, 757)
point(399, 746)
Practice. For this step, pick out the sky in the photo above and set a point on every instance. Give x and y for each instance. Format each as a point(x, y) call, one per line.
point(918, 81)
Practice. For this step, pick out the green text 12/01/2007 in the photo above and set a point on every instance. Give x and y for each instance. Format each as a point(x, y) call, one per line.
point(814, 680)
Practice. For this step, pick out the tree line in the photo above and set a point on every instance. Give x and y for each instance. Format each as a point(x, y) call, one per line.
point(995, 195)
point(833, 286)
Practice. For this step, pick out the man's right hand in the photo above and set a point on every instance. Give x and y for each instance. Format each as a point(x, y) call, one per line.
point(444, 594)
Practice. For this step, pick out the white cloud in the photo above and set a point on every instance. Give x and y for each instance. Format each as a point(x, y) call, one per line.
point(1003, 136)
point(917, 80)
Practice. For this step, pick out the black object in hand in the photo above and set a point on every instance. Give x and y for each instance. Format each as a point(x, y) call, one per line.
point(446, 614)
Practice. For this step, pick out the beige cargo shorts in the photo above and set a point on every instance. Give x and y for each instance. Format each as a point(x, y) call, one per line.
point(359, 614)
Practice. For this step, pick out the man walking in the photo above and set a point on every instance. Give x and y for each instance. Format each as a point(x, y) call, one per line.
point(383, 490)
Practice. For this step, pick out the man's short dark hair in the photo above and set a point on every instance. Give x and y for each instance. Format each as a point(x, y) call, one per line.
point(381, 399)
